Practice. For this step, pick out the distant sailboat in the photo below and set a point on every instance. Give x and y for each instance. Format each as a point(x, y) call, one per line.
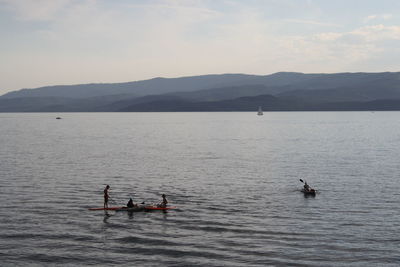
point(260, 112)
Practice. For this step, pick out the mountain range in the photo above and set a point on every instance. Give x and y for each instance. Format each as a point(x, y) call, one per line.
point(282, 91)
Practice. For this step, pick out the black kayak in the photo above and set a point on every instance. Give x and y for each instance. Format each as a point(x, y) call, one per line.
point(309, 192)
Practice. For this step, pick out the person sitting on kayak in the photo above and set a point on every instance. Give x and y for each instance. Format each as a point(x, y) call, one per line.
point(306, 187)
point(130, 203)
point(106, 196)
point(164, 202)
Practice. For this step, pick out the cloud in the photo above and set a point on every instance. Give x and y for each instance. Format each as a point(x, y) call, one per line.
point(312, 22)
point(370, 17)
point(352, 48)
point(328, 36)
point(37, 10)
point(377, 17)
point(368, 34)
point(377, 33)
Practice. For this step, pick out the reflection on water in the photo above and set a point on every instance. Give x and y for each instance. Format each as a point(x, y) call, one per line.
point(106, 216)
point(130, 214)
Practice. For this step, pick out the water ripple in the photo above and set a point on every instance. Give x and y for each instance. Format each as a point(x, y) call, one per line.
point(233, 176)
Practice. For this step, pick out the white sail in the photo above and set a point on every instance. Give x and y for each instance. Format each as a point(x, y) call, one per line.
point(260, 112)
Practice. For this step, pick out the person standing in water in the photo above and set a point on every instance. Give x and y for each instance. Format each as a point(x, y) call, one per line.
point(106, 196)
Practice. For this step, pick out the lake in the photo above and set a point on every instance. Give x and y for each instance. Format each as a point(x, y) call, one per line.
point(234, 178)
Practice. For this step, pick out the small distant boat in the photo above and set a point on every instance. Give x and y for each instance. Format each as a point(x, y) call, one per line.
point(58, 118)
point(260, 112)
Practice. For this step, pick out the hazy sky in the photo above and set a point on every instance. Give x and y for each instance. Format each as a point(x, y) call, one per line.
point(48, 42)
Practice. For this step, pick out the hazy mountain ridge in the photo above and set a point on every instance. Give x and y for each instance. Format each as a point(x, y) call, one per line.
point(164, 85)
point(137, 88)
point(225, 92)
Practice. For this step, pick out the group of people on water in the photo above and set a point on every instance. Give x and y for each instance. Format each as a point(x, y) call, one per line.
point(164, 201)
point(130, 203)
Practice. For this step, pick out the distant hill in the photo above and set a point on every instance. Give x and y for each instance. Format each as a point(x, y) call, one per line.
point(57, 104)
point(348, 87)
point(138, 88)
point(163, 85)
point(225, 92)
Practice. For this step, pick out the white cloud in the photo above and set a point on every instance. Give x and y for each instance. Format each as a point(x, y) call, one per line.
point(370, 17)
point(377, 17)
point(363, 35)
point(378, 33)
point(387, 16)
point(328, 36)
point(40, 10)
point(312, 22)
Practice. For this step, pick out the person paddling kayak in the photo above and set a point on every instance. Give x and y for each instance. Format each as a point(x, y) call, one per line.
point(106, 196)
point(306, 187)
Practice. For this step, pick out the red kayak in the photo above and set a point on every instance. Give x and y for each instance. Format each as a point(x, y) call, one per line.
point(110, 208)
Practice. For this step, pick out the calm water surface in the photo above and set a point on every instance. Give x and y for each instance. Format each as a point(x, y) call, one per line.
point(233, 176)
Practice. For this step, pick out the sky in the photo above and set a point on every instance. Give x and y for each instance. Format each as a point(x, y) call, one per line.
point(52, 42)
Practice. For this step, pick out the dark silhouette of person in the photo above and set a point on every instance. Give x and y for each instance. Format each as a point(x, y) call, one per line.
point(306, 187)
point(130, 203)
point(164, 201)
point(106, 196)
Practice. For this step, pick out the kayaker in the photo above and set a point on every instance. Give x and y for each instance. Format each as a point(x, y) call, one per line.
point(164, 201)
point(106, 196)
point(130, 203)
point(306, 187)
